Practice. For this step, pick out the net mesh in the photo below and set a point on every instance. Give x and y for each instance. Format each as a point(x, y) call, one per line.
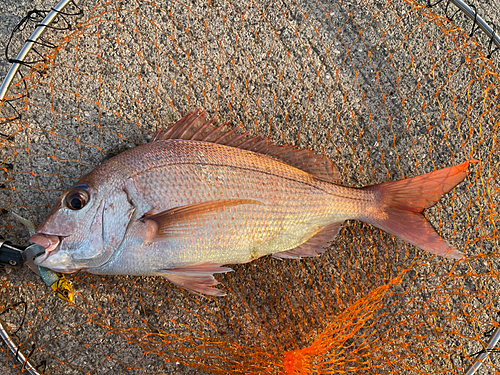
point(386, 89)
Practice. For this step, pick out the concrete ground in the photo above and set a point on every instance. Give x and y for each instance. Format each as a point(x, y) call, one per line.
point(351, 156)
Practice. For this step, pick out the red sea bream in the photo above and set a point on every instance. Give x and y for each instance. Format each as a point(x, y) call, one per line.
point(198, 197)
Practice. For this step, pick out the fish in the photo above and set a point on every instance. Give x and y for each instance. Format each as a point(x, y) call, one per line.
point(198, 197)
point(58, 282)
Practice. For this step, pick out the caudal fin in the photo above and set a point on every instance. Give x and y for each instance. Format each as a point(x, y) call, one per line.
point(400, 206)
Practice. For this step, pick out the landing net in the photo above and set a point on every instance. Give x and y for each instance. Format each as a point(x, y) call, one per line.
point(386, 89)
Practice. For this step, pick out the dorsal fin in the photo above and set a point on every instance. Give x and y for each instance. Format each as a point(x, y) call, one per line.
point(194, 126)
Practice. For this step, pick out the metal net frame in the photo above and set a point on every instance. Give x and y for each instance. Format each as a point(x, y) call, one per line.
point(386, 89)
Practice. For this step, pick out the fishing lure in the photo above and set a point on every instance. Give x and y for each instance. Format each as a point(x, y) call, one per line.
point(58, 282)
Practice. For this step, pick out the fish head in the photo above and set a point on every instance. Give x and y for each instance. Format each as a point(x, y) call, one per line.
point(67, 231)
point(83, 228)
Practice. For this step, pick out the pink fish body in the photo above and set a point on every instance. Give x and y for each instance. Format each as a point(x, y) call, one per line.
point(197, 197)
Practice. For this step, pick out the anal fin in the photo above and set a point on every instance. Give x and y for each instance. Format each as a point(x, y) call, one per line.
point(314, 246)
point(196, 277)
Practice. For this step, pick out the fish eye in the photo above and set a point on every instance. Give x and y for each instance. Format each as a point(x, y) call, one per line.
point(77, 199)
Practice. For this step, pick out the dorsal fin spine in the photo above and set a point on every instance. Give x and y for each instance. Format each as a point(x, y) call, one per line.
point(248, 141)
point(185, 128)
point(227, 134)
point(234, 142)
point(202, 128)
point(261, 144)
point(178, 133)
point(214, 131)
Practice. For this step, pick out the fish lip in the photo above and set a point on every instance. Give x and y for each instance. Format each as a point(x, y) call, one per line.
point(49, 250)
point(39, 260)
point(64, 270)
point(47, 240)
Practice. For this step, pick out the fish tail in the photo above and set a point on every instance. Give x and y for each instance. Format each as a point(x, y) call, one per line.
point(400, 205)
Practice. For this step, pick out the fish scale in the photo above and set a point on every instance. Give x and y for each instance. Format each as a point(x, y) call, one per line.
point(289, 197)
point(225, 172)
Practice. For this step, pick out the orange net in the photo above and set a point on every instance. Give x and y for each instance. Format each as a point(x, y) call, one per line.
point(386, 89)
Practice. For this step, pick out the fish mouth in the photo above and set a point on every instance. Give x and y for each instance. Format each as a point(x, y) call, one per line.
point(50, 242)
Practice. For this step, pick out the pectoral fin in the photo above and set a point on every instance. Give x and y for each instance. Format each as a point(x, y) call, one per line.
point(197, 277)
point(183, 220)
